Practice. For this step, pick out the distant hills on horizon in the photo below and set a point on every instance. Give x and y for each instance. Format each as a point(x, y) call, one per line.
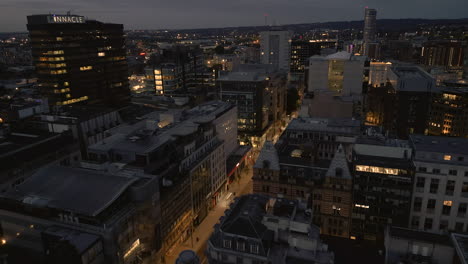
point(403, 24)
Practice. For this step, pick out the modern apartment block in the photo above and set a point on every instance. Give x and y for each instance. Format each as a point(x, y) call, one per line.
point(176, 70)
point(449, 112)
point(383, 177)
point(402, 106)
point(447, 53)
point(249, 92)
point(440, 193)
point(275, 48)
point(79, 60)
point(302, 50)
point(94, 214)
point(260, 229)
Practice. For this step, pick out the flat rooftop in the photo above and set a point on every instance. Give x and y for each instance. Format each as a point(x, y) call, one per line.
point(422, 236)
point(449, 145)
point(323, 124)
point(411, 72)
point(243, 77)
point(77, 190)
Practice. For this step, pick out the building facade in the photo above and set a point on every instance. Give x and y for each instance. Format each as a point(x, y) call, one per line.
point(332, 200)
point(449, 112)
point(383, 178)
point(79, 60)
point(403, 105)
point(113, 223)
point(249, 92)
point(275, 48)
point(302, 50)
point(440, 190)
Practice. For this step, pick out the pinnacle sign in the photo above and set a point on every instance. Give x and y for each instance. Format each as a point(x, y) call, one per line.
point(65, 19)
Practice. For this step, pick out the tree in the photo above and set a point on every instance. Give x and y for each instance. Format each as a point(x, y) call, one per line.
point(219, 49)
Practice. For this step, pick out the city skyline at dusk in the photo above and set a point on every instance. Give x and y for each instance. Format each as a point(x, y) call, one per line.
point(145, 14)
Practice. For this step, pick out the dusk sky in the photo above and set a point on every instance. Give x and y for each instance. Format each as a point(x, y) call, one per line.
point(178, 14)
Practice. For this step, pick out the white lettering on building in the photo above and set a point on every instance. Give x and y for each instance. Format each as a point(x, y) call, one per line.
point(67, 19)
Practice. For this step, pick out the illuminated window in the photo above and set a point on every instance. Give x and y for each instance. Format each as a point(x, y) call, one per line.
point(132, 248)
point(72, 101)
point(66, 83)
point(157, 72)
point(159, 83)
point(86, 68)
point(59, 38)
point(447, 157)
point(448, 203)
point(101, 54)
point(58, 72)
point(67, 95)
point(53, 52)
point(375, 169)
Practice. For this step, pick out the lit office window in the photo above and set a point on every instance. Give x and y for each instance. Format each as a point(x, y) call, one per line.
point(86, 68)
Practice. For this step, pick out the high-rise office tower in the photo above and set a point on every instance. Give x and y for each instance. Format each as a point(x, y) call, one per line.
point(370, 26)
point(275, 47)
point(371, 48)
point(79, 60)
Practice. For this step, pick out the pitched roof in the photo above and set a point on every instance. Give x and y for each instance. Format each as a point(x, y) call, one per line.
point(339, 163)
point(268, 157)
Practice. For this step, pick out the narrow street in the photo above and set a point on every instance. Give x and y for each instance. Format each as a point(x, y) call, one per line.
point(204, 230)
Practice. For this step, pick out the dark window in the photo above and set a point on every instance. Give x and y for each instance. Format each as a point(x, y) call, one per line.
point(436, 171)
point(431, 203)
point(336, 199)
point(464, 191)
point(466, 173)
point(420, 182)
point(417, 204)
point(434, 185)
point(443, 225)
point(422, 169)
point(462, 209)
point(453, 172)
point(239, 260)
point(450, 187)
point(428, 223)
point(415, 222)
point(458, 227)
point(446, 209)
